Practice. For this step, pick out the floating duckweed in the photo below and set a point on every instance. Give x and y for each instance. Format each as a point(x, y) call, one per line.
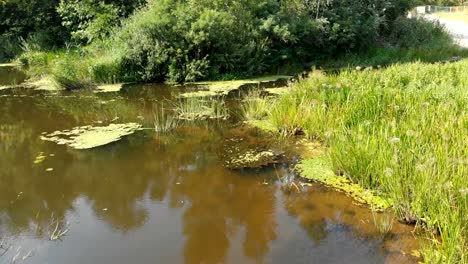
point(87, 137)
point(318, 169)
point(222, 88)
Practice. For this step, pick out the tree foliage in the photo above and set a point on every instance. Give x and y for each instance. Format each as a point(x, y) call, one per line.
point(186, 40)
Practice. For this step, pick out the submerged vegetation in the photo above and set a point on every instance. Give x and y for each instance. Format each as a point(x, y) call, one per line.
point(194, 108)
point(164, 120)
point(400, 131)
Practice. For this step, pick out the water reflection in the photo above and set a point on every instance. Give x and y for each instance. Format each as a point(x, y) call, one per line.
point(160, 196)
point(11, 76)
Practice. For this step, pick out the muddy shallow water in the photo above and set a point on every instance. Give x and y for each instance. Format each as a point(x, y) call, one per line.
point(164, 198)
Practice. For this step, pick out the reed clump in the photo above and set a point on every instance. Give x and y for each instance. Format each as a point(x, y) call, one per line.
point(401, 131)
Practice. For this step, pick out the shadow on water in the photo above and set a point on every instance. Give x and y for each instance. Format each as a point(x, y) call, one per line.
point(164, 197)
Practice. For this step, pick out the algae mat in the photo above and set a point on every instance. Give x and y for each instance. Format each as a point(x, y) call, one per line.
point(87, 137)
point(318, 169)
point(221, 88)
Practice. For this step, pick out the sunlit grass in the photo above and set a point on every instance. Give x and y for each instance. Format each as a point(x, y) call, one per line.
point(401, 131)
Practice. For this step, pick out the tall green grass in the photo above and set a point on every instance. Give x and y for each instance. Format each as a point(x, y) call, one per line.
point(402, 131)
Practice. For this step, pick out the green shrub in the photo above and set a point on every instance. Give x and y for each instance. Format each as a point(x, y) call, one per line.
point(188, 40)
point(417, 32)
point(10, 48)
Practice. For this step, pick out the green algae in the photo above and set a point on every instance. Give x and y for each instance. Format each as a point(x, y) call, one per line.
point(318, 169)
point(251, 159)
point(88, 137)
point(263, 125)
point(109, 88)
point(222, 88)
point(278, 91)
point(244, 149)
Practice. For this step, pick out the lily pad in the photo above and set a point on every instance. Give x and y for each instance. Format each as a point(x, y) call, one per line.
point(88, 137)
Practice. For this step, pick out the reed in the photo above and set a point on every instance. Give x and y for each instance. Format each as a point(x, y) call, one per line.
point(401, 131)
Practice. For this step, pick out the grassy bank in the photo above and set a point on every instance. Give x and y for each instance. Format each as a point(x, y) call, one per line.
point(400, 131)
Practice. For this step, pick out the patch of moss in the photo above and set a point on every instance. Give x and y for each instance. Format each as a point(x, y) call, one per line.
point(318, 169)
point(220, 88)
point(87, 137)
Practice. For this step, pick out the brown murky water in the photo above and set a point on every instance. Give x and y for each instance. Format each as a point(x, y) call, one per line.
point(165, 198)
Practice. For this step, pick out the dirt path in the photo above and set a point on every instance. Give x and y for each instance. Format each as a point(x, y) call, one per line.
point(458, 29)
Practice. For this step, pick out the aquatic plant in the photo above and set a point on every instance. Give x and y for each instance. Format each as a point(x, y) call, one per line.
point(254, 107)
point(194, 108)
point(400, 131)
point(164, 121)
point(87, 137)
point(384, 223)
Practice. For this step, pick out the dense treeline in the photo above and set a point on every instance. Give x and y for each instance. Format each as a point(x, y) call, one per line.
point(90, 41)
point(187, 40)
point(49, 24)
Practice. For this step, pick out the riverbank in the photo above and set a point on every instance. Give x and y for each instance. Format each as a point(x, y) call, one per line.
point(407, 40)
point(399, 131)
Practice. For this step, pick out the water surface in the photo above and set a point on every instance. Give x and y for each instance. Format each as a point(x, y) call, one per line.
point(164, 198)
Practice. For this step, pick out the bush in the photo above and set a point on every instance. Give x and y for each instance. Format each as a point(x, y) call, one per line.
point(417, 32)
point(10, 48)
point(189, 40)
